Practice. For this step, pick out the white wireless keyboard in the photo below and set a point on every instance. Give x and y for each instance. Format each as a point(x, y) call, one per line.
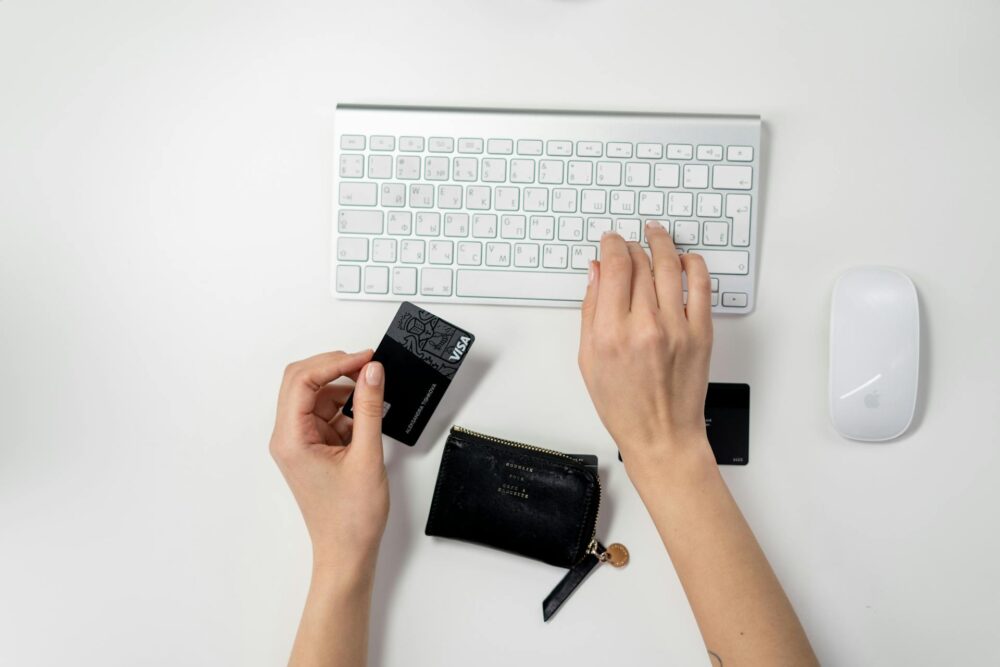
point(508, 207)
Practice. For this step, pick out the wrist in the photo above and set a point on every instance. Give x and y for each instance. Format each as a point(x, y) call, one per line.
point(670, 467)
point(353, 571)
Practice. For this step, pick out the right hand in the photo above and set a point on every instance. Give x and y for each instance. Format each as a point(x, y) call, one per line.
point(644, 356)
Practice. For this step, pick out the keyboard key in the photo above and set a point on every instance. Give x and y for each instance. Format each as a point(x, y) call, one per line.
point(651, 203)
point(739, 154)
point(559, 148)
point(563, 200)
point(542, 227)
point(441, 145)
point(555, 256)
point(522, 171)
point(596, 228)
point(695, 176)
point(637, 174)
point(379, 166)
point(352, 165)
point(554, 286)
point(477, 197)
point(467, 145)
point(582, 256)
point(411, 251)
point(593, 201)
point(376, 279)
point(716, 233)
point(348, 278)
point(679, 203)
point(622, 202)
point(734, 262)
point(715, 285)
point(449, 196)
point(498, 254)
point(731, 177)
point(589, 148)
point(384, 250)
point(536, 199)
point(709, 205)
point(435, 282)
point(609, 173)
point(581, 172)
point(465, 169)
point(666, 176)
point(529, 147)
point(398, 223)
point(359, 222)
point(709, 153)
point(352, 142)
point(738, 208)
point(526, 255)
point(436, 168)
point(439, 252)
point(500, 146)
point(428, 224)
point(381, 142)
point(619, 149)
point(421, 196)
point(470, 253)
point(358, 194)
point(393, 194)
point(628, 229)
point(571, 229)
point(456, 224)
point(494, 170)
point(512, 226)
point(404, 280)
point(734, 299)
point(679, 151)
point(550, 172)
point(411, 144)
point(352, 249)
point(649, 151)
point(408, 167)
point(686, 232)
point(506, 199)
point(484, 226)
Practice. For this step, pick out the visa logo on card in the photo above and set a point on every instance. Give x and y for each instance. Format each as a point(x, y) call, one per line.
point(421, 354)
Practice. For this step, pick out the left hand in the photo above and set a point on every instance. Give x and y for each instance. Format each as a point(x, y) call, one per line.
point(332, 463)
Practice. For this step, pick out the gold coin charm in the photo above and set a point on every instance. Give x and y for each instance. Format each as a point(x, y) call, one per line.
point(617, 555)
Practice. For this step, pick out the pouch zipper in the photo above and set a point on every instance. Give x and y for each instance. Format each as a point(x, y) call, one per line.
point(593, 547)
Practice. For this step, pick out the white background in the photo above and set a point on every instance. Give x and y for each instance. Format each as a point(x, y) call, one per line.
point(165, 203)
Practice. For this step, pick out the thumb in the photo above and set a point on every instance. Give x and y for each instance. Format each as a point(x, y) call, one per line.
point(368, 393)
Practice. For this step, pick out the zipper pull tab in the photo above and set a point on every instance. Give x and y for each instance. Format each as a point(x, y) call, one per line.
point(616, 555)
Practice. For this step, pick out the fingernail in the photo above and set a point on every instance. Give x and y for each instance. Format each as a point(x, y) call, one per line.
point(374, 374)
point(590, 273)
point(654, 224)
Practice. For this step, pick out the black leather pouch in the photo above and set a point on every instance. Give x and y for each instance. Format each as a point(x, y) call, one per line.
point(523, 499)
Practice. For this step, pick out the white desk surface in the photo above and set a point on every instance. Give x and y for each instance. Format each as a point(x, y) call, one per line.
point(165, 203)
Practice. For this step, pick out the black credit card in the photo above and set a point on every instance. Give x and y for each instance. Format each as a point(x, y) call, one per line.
point(421, 354)
point(727, 422)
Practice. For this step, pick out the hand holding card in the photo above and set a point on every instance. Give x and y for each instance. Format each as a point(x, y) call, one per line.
point(421, 354)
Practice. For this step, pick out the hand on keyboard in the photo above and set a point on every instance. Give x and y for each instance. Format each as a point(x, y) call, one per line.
point(644, 355)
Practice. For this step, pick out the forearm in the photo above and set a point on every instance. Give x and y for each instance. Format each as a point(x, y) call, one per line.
point(334, 627)
point(740, 607)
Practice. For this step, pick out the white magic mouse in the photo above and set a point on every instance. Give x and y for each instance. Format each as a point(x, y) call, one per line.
point(874, 353)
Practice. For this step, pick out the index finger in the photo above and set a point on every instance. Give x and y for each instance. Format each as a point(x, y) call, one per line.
point(303, 379)
point(615, 292)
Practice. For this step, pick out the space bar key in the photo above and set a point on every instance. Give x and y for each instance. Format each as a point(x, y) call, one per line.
point(537, 285)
